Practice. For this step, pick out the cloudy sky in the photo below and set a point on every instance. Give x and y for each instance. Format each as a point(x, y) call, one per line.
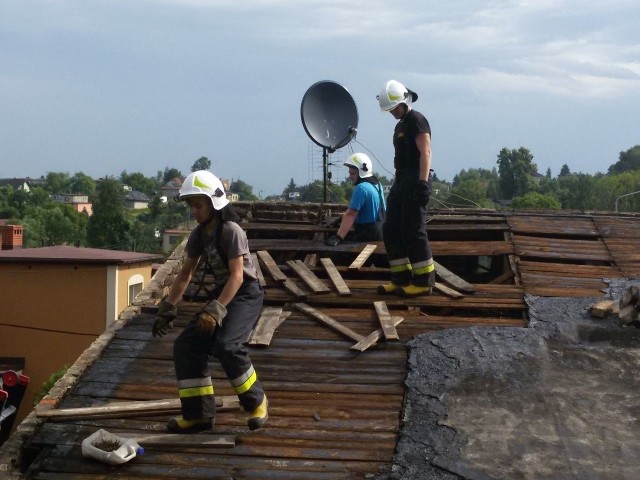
point(105, 86)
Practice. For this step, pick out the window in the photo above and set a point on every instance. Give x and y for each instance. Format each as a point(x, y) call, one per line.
point(136, 284)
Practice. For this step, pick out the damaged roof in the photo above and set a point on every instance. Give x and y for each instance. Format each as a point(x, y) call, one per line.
point(336, 379)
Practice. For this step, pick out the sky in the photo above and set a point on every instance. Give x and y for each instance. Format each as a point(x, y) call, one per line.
point(102, 87)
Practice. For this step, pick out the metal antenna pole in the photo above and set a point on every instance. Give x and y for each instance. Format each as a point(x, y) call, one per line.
point(325, 167)
point(625, 195)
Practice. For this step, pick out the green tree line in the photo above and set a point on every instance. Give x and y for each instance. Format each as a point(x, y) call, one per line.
point(514, 183)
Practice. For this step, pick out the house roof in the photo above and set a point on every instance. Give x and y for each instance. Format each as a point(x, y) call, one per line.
point(136, 196)
point(14, 182)
point(334, 412)
point(67, 254)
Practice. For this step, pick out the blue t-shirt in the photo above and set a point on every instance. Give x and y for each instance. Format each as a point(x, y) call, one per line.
point(366, 200)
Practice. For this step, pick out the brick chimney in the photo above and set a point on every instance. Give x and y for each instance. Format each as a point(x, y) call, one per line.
point(12, 237)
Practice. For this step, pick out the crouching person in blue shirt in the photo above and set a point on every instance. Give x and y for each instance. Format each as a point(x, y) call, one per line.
point(367, 207)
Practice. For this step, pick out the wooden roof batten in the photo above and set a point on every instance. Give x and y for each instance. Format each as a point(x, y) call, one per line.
point(325, 347)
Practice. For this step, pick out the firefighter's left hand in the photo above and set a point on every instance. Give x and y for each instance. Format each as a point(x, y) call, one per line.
point(422, 192)
point(211, 317)
point(164, 319)
point(334, 240)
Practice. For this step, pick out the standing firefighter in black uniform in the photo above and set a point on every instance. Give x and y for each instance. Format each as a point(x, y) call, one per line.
point(223, 326)
point(405, 227)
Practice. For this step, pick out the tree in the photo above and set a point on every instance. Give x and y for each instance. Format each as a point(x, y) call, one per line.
point(59, 228)
point(203, 163)
point(244, 190)
point(34, 232)
point(109, 226)
point(57, 182)
point(20, 201)
point(81, 183)
point(469, 192)
point(313, 192)
point(608, 188)
point(292, 187)
point(39, 197)
point(576, 192)
point(137, 181)
point(629, 160)
point(516, 170)
point(170, 173)
point(145, 239)
point(535, 200)
point(565, 170)
point(475, 186)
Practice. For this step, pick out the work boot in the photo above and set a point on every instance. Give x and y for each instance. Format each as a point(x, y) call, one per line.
point(259, 416)
point(388, 288)
point(180, 425)
point(413, 291)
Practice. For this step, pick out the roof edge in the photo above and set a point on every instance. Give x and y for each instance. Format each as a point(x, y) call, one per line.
point(11, 452)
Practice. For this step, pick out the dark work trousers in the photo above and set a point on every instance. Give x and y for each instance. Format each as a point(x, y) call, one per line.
point(191, 352)
point(405, 226)
point(367, 232)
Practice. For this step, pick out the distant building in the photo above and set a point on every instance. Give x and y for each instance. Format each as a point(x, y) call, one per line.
point(57, 300)
point(16, 183)
point(171, 237)
point(136, 200)
point(171, 188)
point(80, 203)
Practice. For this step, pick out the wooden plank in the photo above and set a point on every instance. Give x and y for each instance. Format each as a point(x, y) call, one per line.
point(454, 280)
point(177, 440)
point(293, 289)
point(327, 320)
point(374, 337)
point(261, 279)
point(130, 409)
point(450, 292)
point(388, 328)
point(363, 256)
point(308, 277)
point(311, 259)
point(604, 308)
point(271, 266)
point(335, 277)
point(504, 278)
point(270, 319)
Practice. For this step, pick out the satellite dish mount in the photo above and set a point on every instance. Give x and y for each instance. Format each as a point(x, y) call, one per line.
point(330, 118)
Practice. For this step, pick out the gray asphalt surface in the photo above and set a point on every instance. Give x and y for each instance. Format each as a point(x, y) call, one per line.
point(558, 400)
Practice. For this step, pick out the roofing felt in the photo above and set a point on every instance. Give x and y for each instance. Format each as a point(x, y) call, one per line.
point(336, 413)
point(67, 254)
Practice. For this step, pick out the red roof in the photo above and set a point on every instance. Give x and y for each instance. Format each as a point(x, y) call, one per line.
point(67, 254)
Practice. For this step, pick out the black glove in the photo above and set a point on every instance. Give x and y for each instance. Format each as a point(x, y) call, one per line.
point(422, 192)
point(164, 318)
point(334, 240)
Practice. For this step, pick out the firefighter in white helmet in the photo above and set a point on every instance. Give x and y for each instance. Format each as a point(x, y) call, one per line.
point(224, 324)
point(367, 207)
point(405, 227)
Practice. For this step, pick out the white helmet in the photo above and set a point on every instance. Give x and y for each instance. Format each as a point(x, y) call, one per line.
point(393, 94)
point(362, 162)
point(206, 183)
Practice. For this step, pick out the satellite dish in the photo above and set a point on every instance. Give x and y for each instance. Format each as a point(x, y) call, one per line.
point(330, 118)
point(329, 115)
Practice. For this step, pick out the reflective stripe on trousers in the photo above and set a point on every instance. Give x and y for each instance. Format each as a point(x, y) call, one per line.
point(191, 353)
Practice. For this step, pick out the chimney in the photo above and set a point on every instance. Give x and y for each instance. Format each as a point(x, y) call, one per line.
point(12, 237)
